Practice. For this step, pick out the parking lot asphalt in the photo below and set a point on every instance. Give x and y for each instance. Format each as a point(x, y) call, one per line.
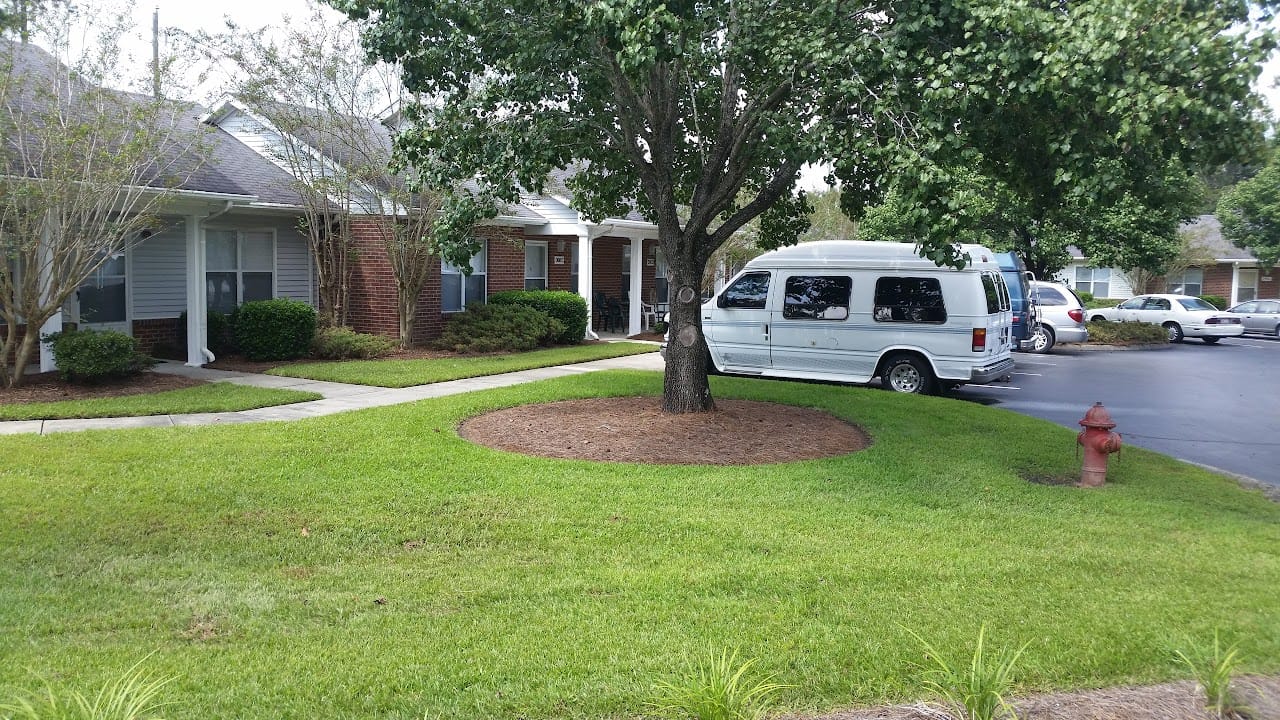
point(1215, 405)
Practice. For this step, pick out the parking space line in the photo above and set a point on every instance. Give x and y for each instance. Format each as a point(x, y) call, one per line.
point(1030, 374)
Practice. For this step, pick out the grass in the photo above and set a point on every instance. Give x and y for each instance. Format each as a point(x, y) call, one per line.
point(373, 564)
point(718, 687)
point(1214, 670)
point(213, 397)
point(131, 696)
point(978, 689)
point(406, 373)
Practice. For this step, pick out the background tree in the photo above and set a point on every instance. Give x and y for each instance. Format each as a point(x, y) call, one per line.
point(1250, 214)
point(88, 168)
point(703, 113)
point(313, 82)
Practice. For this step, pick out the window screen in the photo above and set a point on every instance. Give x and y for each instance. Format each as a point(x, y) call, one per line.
point(910, 300)
point(817, 297)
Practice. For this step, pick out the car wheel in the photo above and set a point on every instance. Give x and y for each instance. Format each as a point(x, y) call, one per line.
point(1042, 339)
point(908, 374)
point(1096, 318)
point(1174, 331)
point(1210, 341)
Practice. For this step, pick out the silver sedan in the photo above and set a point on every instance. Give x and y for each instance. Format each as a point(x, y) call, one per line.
point(1259, 316)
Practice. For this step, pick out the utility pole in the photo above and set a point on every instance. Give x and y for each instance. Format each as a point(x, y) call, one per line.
point(155, 52)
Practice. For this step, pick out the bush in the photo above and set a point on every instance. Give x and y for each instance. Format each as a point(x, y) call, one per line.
point(1085, 297)
point(496, 328)
point(342, 343)
point(567, 307)
point(1094, 303)
point(660, 326)
point(274, 329)
point(1215, 300)
point(91, 356)
point(1105, 332)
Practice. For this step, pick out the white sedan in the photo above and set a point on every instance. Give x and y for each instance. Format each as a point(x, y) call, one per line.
point(1180, 315)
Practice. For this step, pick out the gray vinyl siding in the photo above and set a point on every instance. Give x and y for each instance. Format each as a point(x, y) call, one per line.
point(158, 274)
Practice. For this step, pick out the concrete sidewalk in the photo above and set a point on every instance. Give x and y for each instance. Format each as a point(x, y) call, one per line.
point(337, 397)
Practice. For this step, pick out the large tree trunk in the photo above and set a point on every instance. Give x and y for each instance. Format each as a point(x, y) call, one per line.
point(685, 387)
point(30, 341)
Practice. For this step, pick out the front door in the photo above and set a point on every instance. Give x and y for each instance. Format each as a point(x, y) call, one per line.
point(102, 299)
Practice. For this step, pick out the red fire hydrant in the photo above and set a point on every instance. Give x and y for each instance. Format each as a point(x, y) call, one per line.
point(1098, 442)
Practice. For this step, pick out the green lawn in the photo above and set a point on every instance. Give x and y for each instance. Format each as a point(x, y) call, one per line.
point(406, 373)
point(213, 397)
point(523, 587)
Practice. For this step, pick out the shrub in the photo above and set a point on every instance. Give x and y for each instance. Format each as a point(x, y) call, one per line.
point(1105, 332)
point(340, 343)
point(660, 326)
point(1215, 300)
point(1085, 297)
point(91, 356)
point(495, 328)
point(1094, 303)
point(567, 307)
point(274, 329)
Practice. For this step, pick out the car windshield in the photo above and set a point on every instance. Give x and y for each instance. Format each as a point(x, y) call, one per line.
point(1195, 304)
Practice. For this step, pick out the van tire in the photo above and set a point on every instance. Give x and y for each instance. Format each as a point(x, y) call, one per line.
point(908, 374)
point(711, 365)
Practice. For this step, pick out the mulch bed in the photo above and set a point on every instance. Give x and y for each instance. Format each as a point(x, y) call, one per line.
point(48, 387)
point(635, 429)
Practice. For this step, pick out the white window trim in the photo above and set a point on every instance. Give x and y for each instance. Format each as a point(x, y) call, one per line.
point(239, 271)
point(484, 248)
point(128, 296)
point(546, 277)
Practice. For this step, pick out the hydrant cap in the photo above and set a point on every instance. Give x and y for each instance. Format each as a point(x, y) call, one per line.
point(1098, 417)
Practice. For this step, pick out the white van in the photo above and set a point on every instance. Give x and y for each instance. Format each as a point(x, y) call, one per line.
point(852, 311)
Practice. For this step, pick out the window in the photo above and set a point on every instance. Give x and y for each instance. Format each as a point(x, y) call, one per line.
point(817, 297)
point(660, 284)
point(1246, 285)
point(992, 292)
point(626, 270)
point(239, 267)
point(909, 299)
point(535, 265)
point(456, 289)
point(573, 271)
point(1134, 303)
point(1195, 304)
point(1051, 297)
point(1156, 304)
point(102, 296)
point(748, 292)
point(1095, 281)
point(1187, 282)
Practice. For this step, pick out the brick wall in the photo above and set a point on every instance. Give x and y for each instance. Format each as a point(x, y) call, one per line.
point(1217, 281)
point(163, 338)
point(1269, 288)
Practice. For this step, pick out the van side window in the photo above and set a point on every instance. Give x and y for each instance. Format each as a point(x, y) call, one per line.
point(817, 297)
point(993, 294)
point(1006, 303)
point(748, 291)
point(1049, 296)
point(909, 299)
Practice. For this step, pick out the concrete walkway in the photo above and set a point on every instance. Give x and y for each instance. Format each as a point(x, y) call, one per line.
point(337, 397)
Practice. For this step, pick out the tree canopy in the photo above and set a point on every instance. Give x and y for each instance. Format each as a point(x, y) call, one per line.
point(1250, 214)
point(702, 113)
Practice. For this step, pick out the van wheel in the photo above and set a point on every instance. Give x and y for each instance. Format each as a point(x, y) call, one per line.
point(711, 365)
point(1174, 331)
point(908, 374)
point(1042, 339)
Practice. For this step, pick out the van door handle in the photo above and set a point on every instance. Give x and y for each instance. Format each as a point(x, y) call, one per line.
point(766, 331)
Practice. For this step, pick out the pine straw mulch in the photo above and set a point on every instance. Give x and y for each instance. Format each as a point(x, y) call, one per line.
point(635, 429)
point(48, 387)
point(1170, 701)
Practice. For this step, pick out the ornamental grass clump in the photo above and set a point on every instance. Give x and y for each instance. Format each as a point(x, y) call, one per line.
point(1213, 670)
point(718, 688)
point(975, 690)
point(133, 695)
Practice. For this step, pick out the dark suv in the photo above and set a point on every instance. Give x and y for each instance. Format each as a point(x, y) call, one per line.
point(1024, 308)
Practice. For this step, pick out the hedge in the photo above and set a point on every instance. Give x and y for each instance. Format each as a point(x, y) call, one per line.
point(567, 307)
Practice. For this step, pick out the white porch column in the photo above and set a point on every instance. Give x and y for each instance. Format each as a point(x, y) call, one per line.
point(197, 314)
point(584, 278)
point(637, 267)
point(54, 323)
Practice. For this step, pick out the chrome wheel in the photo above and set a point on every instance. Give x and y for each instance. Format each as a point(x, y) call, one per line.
point(906, 374)
point(1174, 331)
point(1041, 339)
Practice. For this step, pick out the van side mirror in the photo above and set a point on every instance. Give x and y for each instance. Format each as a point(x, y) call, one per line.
point(721, 302)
